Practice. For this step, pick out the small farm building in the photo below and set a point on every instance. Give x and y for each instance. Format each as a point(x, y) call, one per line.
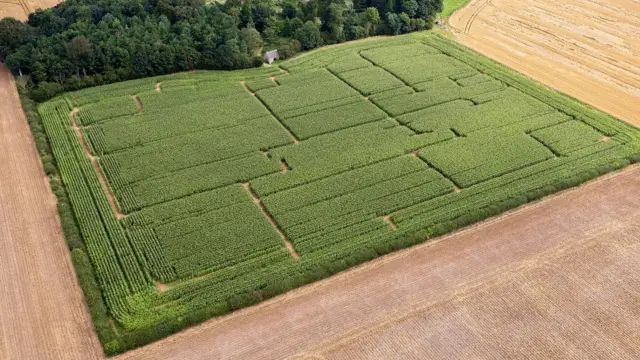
point(271, 56)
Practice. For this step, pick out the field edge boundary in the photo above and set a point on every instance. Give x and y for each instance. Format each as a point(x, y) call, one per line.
point(418, 238)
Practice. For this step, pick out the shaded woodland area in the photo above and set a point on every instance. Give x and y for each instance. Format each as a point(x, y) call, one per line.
point(82, 43)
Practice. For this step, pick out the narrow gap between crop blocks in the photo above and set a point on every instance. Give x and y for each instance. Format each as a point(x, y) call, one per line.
point(387, 71)
point(456, 186)
point(457, 133)
point(161, 287)
point(96, 166)
point(296, 141)
point(284, 166)
point(553, 151)
point(414, 154)
point(271, 220)
point(372, 102)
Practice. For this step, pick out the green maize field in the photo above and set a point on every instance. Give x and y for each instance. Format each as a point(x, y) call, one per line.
point(233, 187)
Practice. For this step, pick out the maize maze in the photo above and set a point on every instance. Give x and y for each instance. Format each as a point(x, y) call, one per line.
point(232, 187)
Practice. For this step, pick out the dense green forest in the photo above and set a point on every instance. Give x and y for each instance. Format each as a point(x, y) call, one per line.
point(82, 43)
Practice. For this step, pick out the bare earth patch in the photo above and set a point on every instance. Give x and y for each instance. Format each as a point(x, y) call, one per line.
point(161, 287)
point(138, 102)
point(587, 49)
point(42, 312)
point(553, 280)
point(389, 221)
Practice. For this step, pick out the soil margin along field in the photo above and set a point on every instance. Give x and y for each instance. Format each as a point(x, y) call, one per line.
point(589, 50)
point(42, 315)
point(558, 275)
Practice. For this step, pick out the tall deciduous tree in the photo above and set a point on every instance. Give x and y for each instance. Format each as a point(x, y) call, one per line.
point(309, 36)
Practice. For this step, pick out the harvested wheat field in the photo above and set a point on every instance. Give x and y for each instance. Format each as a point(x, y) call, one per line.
point(587, 49)
point(20, 9)
point(557, 279)
point(42, 315)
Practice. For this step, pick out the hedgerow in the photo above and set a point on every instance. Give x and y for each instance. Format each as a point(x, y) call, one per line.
point(358, 151)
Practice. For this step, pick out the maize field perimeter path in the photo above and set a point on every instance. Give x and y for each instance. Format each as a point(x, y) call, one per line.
point(42, 314)
point(553, 280)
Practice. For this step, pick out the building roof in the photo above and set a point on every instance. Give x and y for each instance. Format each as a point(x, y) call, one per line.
point(271, 55)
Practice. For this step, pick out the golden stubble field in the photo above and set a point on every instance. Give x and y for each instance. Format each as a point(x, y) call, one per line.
point(587, 49)
point(20, 9)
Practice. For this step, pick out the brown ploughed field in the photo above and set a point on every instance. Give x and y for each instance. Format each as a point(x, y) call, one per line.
point(587, 49)
point(42, 314)
point(556, 279)
point(20, 9)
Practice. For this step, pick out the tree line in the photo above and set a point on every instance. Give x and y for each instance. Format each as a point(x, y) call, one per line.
point(81, 43)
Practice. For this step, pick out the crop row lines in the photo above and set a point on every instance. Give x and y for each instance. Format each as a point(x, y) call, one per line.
point(284, 126)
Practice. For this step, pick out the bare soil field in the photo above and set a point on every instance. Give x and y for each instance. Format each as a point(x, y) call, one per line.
point(20, 9)
point(42, 315)
point(556, 279)
point(587, 49)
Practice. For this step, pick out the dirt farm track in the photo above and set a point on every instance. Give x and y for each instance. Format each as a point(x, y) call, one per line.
point(588, 49)
point(42, 315)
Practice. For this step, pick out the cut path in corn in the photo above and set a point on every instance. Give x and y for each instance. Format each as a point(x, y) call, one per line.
point(42, 311)
point(555, 279)
point(587, 49)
